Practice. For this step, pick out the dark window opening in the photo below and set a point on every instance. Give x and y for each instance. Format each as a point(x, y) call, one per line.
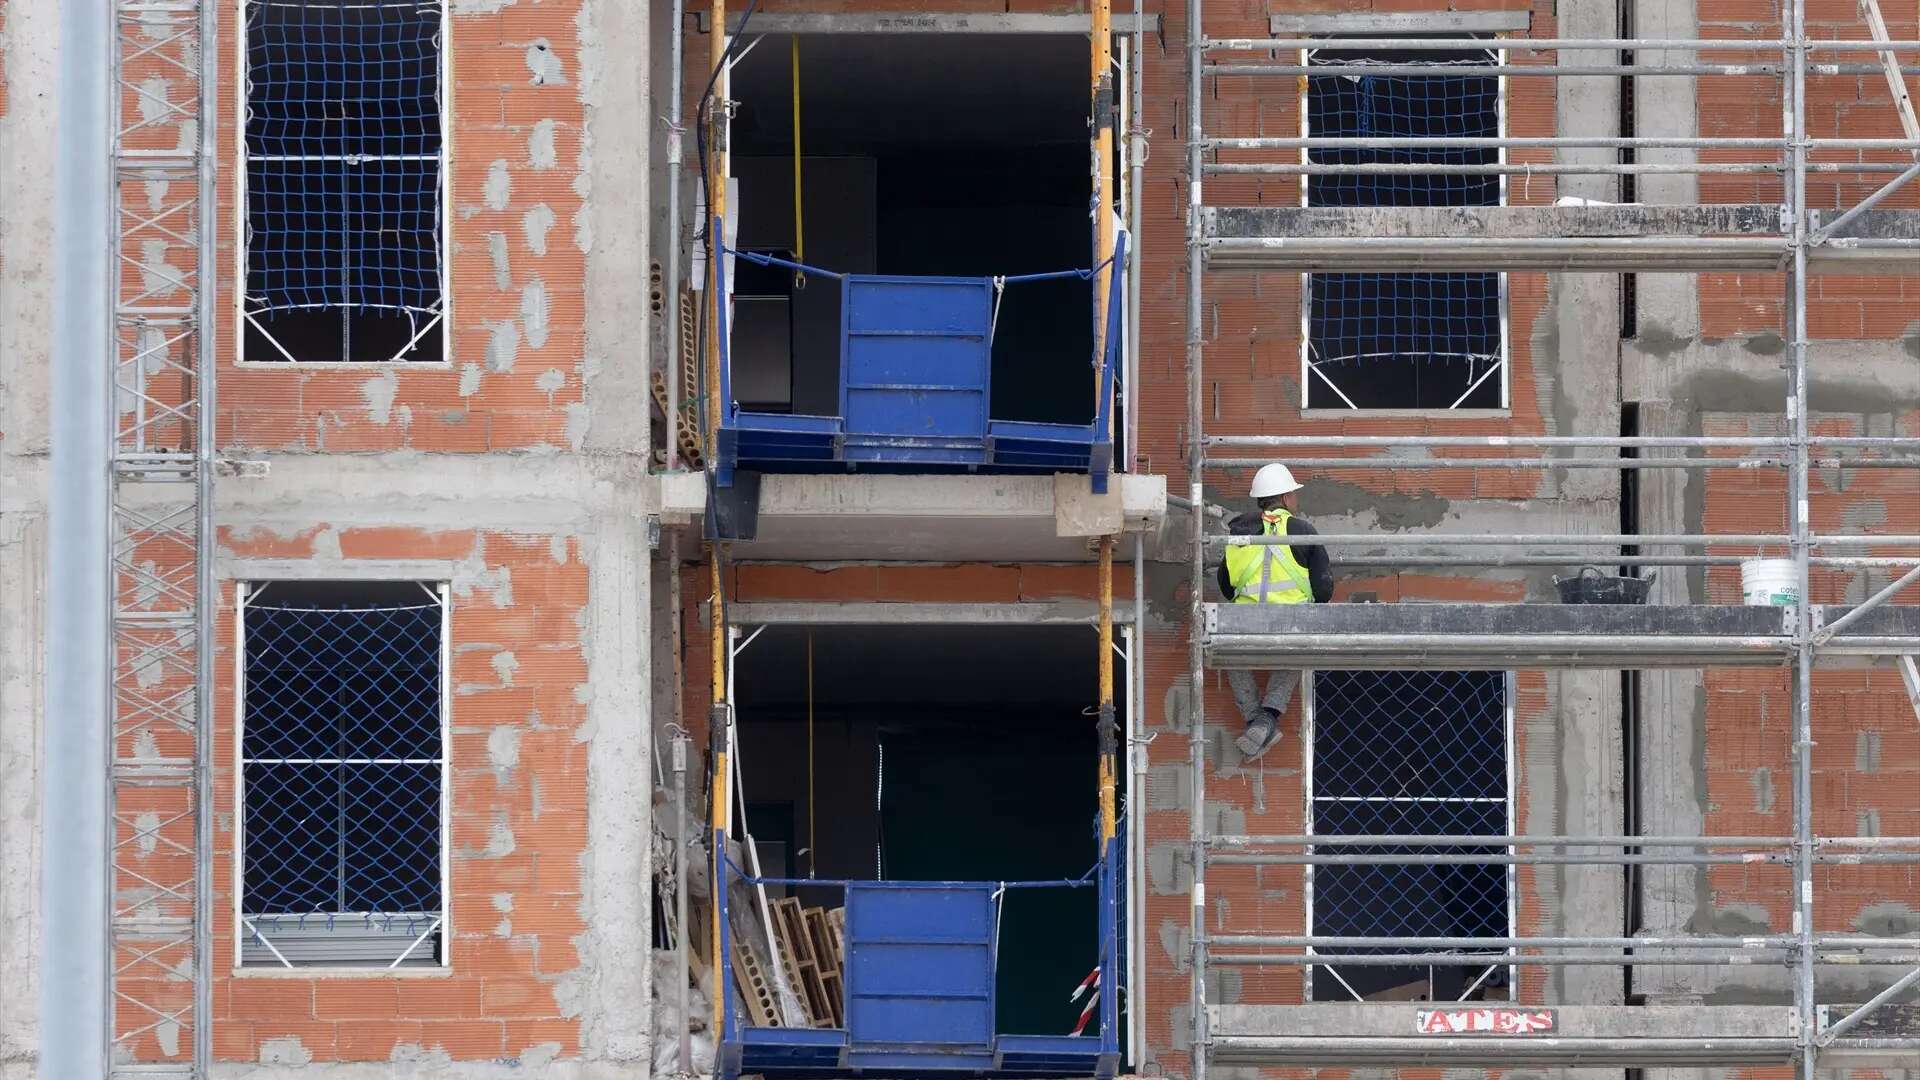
point(1404, 340)
point(956, 156)
point(342, 768)
point(1410, 753)
point(935, 754)
point(343, 181)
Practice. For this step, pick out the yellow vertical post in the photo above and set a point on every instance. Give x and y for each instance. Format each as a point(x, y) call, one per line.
point(1102, 106)
point(1102, 111)
point(716, 220)
point(1109, 748)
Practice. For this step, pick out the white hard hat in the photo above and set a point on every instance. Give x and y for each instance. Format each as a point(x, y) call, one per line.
point(1271, 480)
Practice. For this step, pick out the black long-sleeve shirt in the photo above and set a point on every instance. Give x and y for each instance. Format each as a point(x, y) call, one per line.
point(1312, 556)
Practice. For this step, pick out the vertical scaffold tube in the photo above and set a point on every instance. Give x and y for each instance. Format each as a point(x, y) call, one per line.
point(1196, 494)
point(1799, 531)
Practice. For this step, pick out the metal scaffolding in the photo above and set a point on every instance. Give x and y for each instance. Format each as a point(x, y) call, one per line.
point(164, 76)
point(1592, 238)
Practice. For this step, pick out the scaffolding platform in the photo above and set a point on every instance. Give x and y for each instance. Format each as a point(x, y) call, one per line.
point(1504, 636)
point(1487, 1033)
point(1607, 239)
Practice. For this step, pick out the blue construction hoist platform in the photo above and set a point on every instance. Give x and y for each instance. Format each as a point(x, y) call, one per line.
point(915, 380)
point(920, 967)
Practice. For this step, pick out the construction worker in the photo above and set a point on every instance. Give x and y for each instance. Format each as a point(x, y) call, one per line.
point(1271, 574)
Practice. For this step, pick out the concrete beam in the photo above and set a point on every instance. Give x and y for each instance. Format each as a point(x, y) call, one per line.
point(841, 517)
point(1049, 613)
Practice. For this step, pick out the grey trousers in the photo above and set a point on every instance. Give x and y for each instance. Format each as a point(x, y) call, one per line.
point(1280, 687)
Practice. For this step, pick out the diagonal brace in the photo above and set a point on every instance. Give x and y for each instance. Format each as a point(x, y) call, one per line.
point(1825, 633)
point(1846, 1023)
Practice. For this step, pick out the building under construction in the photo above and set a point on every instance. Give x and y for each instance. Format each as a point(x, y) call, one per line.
point(578, 539)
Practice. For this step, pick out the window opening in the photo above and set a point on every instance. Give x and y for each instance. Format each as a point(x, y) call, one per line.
point(1404, 340)
point(1410, 753)
point(344, 172)
point(342, 779)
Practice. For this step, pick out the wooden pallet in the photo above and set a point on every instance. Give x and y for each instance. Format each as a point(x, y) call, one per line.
point(829, 962)
point(791, 922)
point(790, 963)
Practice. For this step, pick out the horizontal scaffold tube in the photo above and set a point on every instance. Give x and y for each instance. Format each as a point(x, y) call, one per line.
point(1297, 840)
point(1508, 463)
point(1545, 142)
point(1422, 959)
point(1562, 540)
point(1518, 168)
point(1730, 442)
point(1437, 71)
point(1609, 559)
point(1323, 941)
point(1445, 44)
point(1497, 859)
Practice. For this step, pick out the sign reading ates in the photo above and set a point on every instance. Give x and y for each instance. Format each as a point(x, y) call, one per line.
point(1485, 1022)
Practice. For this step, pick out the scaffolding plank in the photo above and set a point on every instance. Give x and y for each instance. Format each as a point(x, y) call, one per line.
point(1547, 238)
point(1733, 219)
point(1376, 1033)
point(1480, 636)
point(1399, 22)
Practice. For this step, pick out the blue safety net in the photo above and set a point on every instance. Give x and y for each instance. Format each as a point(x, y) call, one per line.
point(341, 760)
point(343, 144)
point(1408, 753)
point(1387, 340)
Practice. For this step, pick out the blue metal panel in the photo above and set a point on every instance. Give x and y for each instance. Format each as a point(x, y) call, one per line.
point(916, 360)
point(920, 970)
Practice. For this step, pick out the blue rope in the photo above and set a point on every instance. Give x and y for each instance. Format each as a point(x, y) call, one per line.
point(770, 260)
point(1080, 882)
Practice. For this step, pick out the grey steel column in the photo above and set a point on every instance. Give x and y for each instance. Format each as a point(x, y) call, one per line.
point(74, 1012)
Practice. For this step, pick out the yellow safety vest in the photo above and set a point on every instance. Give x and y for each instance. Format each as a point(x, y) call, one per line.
point(1268, 574)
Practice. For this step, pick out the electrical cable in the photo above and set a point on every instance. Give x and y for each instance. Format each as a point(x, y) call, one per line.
point(813, 846)
point(700, 129)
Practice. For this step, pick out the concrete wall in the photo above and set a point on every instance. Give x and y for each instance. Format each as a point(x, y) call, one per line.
point(28, 33)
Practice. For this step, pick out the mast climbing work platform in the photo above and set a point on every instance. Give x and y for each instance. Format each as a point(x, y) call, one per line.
point(1475, 234)
point(164, 79)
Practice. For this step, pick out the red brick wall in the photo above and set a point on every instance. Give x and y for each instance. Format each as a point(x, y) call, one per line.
point(501, 117)
point(516, 912)
point(1851, 106)
point(1867, 749)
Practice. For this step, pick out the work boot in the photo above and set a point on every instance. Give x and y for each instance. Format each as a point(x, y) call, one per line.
point(1262, 732)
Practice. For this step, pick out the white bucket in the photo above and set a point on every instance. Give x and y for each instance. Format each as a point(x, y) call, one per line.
point(1770, 582)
